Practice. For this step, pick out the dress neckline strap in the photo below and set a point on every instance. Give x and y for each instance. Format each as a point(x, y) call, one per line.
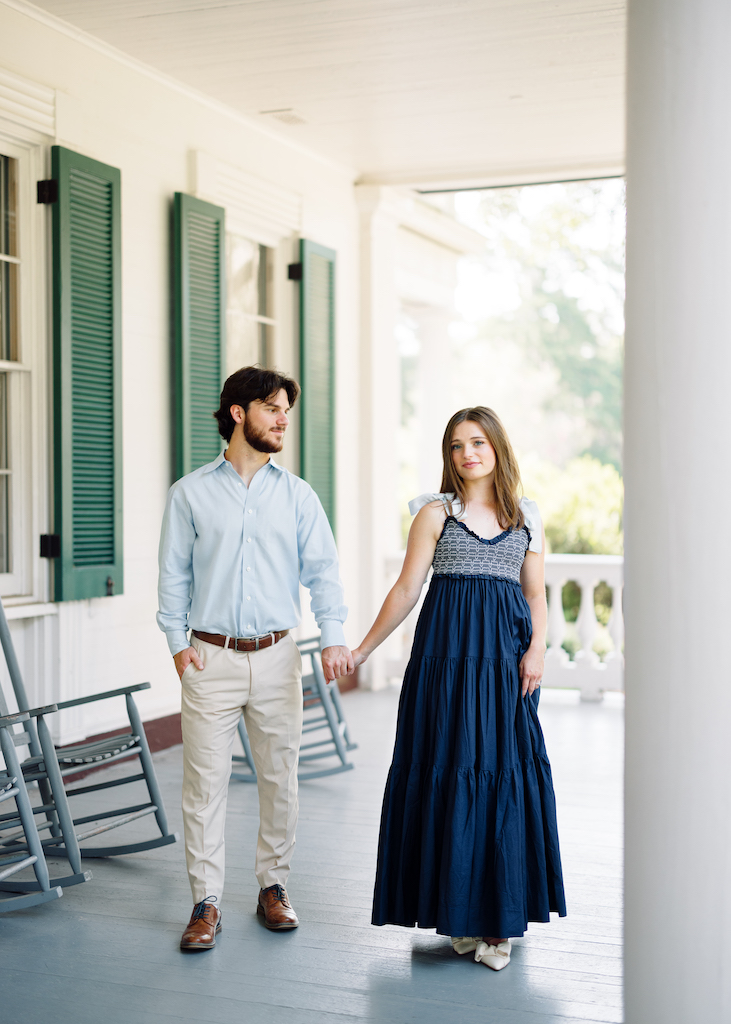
point(482, 540)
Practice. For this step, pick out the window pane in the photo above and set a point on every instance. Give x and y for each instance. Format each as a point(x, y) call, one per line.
point(4, 479)
point(8, 207)
point(243, 275)
point(8, 271)
point(242, 341)
point(263, 305)
point(8, 310)
point(248, 298)
point(262, 356)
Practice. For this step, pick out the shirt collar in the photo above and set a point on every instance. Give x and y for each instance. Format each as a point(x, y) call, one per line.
point(220, 459)
point(215, 464)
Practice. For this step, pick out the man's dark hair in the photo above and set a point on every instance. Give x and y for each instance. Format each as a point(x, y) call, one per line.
point(247, 385)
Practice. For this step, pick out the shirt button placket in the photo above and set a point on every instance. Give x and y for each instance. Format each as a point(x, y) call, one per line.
point(245, 569)
point(247, 597)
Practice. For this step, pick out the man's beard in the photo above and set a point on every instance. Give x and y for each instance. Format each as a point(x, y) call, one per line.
point(258, 440)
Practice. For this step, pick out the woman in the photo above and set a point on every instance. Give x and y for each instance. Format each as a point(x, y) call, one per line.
point(468, 841)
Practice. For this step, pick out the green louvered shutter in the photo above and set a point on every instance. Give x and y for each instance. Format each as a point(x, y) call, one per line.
point(87, 377)
point(200, 316)
point(317, 371)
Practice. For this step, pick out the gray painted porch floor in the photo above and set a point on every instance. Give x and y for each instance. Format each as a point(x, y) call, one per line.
point(107, 951)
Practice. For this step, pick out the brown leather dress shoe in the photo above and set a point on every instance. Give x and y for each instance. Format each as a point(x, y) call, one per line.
point(204, 925)
point(275, 908)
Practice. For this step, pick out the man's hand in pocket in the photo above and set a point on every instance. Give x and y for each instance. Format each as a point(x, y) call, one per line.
point(184, 658)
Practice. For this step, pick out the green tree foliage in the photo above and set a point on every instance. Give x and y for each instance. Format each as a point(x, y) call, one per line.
point(558, 251)
point(581, 504)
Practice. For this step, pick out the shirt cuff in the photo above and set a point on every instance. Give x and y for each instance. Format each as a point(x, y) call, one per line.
point(177, 640)
point(332, 634)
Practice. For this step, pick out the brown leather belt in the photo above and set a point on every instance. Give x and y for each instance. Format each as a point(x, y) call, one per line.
point(254, 643)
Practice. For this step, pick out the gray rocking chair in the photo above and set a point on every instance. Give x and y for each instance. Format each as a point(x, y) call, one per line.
point(49, 766)
point(12, 786)
point(323, 712)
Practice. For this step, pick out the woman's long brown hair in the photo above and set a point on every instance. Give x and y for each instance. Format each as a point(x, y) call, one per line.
point(507, 474)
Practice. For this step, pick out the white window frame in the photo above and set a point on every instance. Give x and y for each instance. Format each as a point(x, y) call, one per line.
point(29, 395)
point(271, 293)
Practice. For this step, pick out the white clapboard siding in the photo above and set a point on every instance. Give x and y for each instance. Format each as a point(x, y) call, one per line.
point(255, 208)
point(27, 103)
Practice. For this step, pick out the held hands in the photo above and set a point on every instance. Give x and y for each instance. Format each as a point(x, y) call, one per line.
point(531, 670)
point(359, 656)
point(337, 662)
point(183, 658)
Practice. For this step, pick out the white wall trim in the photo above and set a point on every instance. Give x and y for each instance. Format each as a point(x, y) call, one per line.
point(410, 212)
point(255, 208)
point(28, 379)
point(430, 223)
point(27, 103)
point(86, 39)
point(28, 611)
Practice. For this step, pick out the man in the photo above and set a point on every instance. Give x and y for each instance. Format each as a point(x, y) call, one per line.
point(239, 534)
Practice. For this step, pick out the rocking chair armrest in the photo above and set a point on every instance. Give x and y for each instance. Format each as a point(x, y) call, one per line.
point(19, 716)
point(62, 704)
point(47, 709)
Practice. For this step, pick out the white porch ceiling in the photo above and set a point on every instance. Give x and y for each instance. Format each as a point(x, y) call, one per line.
point(419, 92)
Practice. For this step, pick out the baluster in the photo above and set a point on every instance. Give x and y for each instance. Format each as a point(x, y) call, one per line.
point(615, 659)
point(556, 624)
point(586, 624)
point(616, 625)
point(591, 674)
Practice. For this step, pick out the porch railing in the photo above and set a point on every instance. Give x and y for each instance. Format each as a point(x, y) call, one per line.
point(587, 671)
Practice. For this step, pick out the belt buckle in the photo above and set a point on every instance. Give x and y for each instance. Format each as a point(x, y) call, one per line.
point(258, 639)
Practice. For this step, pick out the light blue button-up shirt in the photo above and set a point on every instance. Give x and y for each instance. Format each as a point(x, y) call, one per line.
point(232, 556)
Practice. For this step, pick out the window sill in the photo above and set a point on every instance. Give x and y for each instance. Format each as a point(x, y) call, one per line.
point(29, 611)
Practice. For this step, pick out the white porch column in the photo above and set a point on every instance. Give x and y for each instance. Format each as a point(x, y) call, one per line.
point(678, 480)
point(380, 405)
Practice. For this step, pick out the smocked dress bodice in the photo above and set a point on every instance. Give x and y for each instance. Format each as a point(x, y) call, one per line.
point(460, 552)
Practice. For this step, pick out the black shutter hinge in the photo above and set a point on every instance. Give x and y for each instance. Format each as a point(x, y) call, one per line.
point(50, 545)
point(294, 271)
point(48, 191)
point(110, 587)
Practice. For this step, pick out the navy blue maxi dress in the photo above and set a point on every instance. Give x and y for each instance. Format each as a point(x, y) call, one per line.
point(469, 842)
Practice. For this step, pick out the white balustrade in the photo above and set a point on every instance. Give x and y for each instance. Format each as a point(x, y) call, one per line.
point(587, 672)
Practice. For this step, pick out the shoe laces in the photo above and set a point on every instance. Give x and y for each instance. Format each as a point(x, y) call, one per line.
point(279, 893)
point(200, 910)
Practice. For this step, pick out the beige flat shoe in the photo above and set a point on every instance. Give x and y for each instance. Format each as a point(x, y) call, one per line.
point(495, 957)
point(465, 944)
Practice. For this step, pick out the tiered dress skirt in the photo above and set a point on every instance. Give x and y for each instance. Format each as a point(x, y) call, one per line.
point(469, 841)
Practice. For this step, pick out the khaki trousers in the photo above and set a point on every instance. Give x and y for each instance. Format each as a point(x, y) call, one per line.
point(267, 686)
